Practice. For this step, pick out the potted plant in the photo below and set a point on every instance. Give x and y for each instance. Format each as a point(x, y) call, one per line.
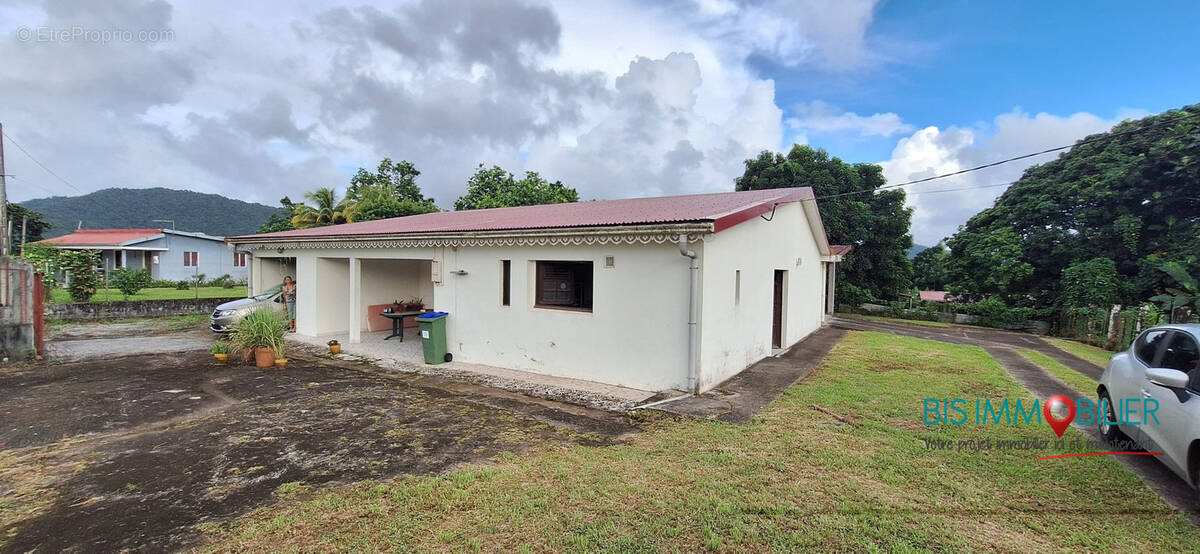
point(262, 331)
point(280, 360)
point(413, 304)
point(220, 351)
point(334, 347)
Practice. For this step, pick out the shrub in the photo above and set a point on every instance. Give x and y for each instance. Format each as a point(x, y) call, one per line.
point(81, 264)
point(261, 328)
point(161, 284)
point(224, 281)
point(183, 285)
point(129, 281)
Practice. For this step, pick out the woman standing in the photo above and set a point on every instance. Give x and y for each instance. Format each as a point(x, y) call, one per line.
point(289, 297)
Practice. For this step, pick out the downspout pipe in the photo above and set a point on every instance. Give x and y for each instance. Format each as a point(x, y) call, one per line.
point(693, 305)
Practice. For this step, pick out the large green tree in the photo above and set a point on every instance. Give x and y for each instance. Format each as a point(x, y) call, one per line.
point(281, 219)
point(493, 187)
point(929, 268)
point(855, 212)
point(1131, 195)
point(33, 222)
point(389, 191)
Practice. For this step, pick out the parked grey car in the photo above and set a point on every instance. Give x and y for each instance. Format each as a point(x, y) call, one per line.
point(1159, 374)
point(228, 314)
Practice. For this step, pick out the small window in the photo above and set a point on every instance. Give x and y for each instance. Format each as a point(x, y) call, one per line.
point(737, 287)
point(1181, 353)
point(505, 282)
point(191, 259)
point(239, 259)
point(1147, 345)
point(564, 285)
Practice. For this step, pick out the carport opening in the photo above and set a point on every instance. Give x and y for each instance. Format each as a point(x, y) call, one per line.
point(270, 273)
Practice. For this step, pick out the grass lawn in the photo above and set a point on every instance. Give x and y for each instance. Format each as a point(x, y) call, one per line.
point(1078, 381)
point(897, 320)
point(794, 479)
point(1094, 354)
point(62, 296)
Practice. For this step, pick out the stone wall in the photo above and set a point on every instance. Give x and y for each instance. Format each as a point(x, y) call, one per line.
point(134, 308)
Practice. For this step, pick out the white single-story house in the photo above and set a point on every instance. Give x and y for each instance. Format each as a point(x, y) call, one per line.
point(677, 292)
point(166, 253)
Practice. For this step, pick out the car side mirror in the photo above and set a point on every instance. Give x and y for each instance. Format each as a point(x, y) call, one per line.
point(1172, 378)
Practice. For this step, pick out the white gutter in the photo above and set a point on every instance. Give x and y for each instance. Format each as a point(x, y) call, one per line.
point(693, 300)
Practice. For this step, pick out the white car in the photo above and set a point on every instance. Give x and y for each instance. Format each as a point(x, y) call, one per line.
point(1152, 391)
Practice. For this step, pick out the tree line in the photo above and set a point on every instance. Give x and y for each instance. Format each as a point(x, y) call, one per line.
point(1113, 220)
point(392, 191)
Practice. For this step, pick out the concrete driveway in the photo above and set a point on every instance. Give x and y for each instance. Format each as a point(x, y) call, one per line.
point(134, 452)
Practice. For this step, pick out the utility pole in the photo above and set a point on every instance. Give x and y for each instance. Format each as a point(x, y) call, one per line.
point(3, 198)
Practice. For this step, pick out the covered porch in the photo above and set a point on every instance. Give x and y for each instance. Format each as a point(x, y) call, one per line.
point(362, 288)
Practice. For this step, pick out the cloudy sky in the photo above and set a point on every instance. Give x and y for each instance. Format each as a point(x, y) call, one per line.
point(255, 100)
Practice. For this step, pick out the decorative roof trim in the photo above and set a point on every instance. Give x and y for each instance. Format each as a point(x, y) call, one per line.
point(483, 242)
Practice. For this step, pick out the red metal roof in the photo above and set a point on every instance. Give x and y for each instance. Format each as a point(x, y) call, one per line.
point(724, 210)
point(935, 296)
point(840, 249)
point(102, 237)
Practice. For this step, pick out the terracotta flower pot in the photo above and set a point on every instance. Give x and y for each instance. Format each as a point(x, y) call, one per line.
point(247, 355)
point(222, 359)
point(280, 363)
point(263, 358)
point(335, 349)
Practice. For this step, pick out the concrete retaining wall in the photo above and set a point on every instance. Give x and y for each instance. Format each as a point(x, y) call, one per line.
point(133, 308)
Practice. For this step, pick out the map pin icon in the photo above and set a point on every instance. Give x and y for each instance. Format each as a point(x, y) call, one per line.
point(1059, 425)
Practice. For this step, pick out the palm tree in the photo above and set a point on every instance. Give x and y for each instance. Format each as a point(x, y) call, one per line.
point(326, 209)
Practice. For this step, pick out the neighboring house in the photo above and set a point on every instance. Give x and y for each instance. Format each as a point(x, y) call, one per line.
point(935, 296)
point(597, 290)
point(168, 254)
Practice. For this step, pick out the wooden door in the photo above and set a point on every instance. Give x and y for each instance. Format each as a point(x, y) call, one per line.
point(777, 311)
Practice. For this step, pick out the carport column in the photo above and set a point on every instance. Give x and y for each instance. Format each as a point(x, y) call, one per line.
point(355, 300)
point(830, 286)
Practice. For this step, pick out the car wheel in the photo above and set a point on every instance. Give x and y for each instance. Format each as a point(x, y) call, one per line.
point(1110, 432)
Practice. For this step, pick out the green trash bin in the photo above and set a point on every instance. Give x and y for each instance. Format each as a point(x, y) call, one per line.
point(433, 337)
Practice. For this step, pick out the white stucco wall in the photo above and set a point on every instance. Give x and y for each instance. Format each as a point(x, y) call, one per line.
point(636, 334)
point(736, 335)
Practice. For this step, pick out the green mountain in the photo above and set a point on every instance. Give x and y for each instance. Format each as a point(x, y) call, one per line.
point(117, 208)
point(916, 249)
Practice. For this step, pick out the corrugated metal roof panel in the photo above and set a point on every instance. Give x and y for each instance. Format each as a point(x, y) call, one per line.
point(102, 237)
point(723, 209)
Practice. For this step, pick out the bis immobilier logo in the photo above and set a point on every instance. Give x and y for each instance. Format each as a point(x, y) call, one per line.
point(1057, 411)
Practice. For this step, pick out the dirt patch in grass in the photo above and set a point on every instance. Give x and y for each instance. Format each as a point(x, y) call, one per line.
point(794, 479)
point(135, 453)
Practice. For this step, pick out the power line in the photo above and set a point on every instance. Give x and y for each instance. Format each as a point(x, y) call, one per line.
point(33, 184)
point(918, 193)
point(1013, 159)
point(40, 164)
